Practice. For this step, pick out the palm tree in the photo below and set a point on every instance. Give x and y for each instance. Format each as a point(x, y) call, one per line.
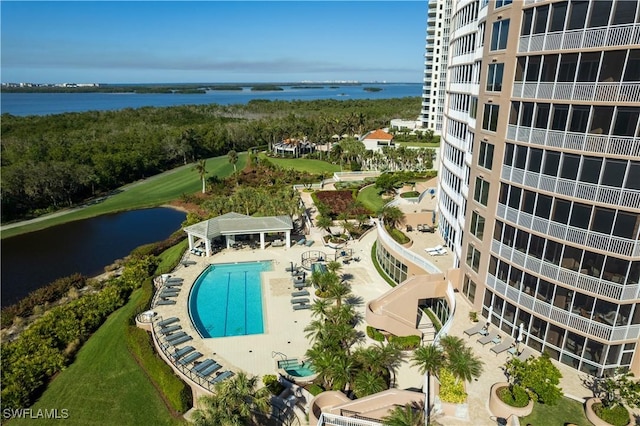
point(411, 414)
point(324, 222)
point(334, 266)
point(430, 359)
point(233, 159)
point(201, 168)
point(338, 290)
point(392, 215)
point(367, 383)
point(464, 365)
point(235, 402)
point(450, 344)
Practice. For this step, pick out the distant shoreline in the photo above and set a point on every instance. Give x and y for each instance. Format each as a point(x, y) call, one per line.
point(177, 88)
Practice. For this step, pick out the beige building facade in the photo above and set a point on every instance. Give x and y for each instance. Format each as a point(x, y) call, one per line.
point(540, 175)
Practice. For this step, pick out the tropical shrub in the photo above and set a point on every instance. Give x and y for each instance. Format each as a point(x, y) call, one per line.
point(375, 334)
point(451, 389)
point(538, 376)
point(397, 235)
point(615, 392)
point(514, 396)
point(314, 389)
point(272, 383)
point(406, 342)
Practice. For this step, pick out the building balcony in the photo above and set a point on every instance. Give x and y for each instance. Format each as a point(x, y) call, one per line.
point(586, 283)
point(592, 193)
point(584, 38)
point(569, 320)
point(617, 92)
point(626, 146)
point(570, 234)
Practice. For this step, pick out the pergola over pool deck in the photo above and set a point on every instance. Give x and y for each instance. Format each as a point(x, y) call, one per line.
point(231, 224)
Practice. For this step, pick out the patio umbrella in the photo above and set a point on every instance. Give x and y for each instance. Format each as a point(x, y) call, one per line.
point(489, 315)
point(520, 335)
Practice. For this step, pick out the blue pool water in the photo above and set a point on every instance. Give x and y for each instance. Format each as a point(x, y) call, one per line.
point(226, 299)
point(296, 368)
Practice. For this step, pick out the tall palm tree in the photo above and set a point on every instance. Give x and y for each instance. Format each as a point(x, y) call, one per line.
point(233, 159)
point(406, 415)
point(201, 168)
point(338, 290)
point(235, 402)
point(429, 359)
point(450, 343)
point(324, 222)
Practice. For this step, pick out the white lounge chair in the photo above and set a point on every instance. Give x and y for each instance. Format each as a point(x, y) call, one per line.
point(507, 343)
point(475, 329)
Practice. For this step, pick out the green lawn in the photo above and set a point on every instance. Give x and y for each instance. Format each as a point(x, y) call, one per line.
point(151, 192)
point(566, 411)
point(370, 197)
point(304, 164)
point(105, 385)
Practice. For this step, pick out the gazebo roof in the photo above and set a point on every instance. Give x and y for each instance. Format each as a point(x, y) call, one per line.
point(235, 223)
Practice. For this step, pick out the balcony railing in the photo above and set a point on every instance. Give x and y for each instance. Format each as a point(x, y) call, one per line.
point(627, 146)
point(590, 192)
point(588, 91)
point(335, 420)
point(587, 283)
point(584, 38)
point(569, 319)
point(584, 237)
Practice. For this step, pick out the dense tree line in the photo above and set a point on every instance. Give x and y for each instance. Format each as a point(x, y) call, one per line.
point(53, 161)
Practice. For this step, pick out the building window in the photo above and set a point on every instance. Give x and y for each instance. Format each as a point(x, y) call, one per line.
point(473, 257)
point(485, 158)
point(501, 3)
point(500, 35)
point(494, 77)
point(490, 119)
point(481, 193)
point(473, 107)
point(477, 225)
point(469, 289)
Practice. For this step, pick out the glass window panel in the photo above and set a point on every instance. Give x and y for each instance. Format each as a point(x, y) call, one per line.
point(603, 220)
point(571, 258)
point(521, 156)
point(632, 70)
point(558, 13)
point(613, 174)
point(568, 66)
point(527, 114)
point(535, 159)
point(549, 68)
point(600, 11)
point(592, 264)
point(626, 121)
point(529, 201)
point(580, 215)
point(574, 343)
point(611, 70)
point(601, 120)
point(514, 197)
point(561, 211)
point(577, 14)
point(536, 246)
point(589, 63)
point(533, 68)
point(570, 164)
point(560, 117)
point(590, 171)
point(541, 16)
point(633, 175)
point(626, 225)
point(579, 119)
point(543, 207)
point(625, 12)
point(527, 19)
point(508, 154)
point(542, 115)
point(551, 163)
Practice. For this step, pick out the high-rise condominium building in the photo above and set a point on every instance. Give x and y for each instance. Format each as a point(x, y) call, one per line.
point(435, 65)
point(540, 173)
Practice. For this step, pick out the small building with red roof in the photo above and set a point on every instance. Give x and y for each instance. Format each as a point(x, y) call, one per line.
point(375, 140)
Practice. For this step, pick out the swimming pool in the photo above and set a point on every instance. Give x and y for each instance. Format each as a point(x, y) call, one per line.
point(296, 368)
point(226, 300)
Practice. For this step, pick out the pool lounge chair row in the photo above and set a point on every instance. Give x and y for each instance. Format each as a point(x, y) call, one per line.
point(436, 251)
point(162, 301)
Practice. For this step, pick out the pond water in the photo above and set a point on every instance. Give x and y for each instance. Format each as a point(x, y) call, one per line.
point(32, 260)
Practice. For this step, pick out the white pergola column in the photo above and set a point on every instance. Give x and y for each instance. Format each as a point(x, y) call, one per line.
point(288, 235)
point(262, 240)
point(190, 236)
point(207, 247)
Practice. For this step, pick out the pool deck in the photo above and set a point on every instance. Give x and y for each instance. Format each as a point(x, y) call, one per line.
point(284, 327)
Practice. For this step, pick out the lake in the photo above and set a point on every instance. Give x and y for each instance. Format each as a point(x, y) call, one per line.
point(22, 104)
point(32, 260)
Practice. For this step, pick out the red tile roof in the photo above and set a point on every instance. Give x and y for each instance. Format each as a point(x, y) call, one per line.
point(379, 135)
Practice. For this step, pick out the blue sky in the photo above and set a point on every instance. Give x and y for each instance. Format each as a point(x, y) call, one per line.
point(212, 41)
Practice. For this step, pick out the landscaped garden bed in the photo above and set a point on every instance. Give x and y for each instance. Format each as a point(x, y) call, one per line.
point(336, 202)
